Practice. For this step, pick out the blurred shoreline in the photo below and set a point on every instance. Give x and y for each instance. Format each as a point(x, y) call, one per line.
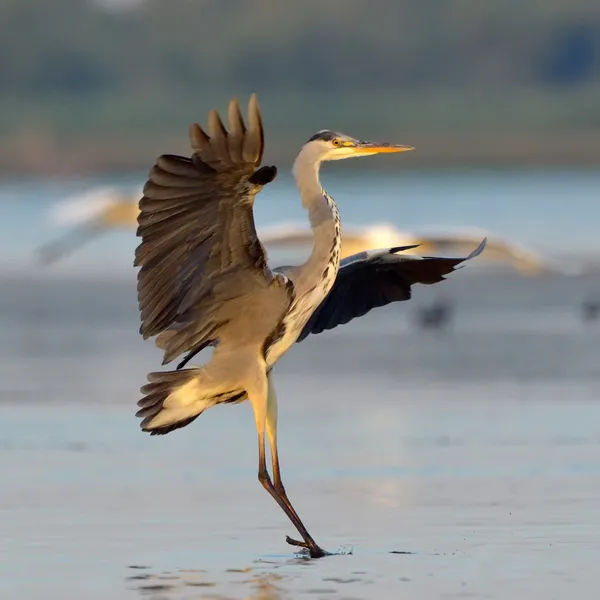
point(487, 87)
point(47, 155)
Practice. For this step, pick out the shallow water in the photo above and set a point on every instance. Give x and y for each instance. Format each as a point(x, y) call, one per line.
point(552, 211)
point(462, 463)
point(473, 452)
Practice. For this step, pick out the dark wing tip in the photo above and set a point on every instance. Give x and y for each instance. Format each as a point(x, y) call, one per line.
point(263, 175)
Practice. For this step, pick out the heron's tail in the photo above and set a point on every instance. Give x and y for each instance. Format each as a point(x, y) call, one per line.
point(173, 399)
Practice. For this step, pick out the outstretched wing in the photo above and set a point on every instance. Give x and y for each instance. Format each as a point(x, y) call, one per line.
point(200, 257)
point(372, 279)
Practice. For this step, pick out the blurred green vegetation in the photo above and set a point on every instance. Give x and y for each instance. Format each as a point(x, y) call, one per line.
point(466, 81)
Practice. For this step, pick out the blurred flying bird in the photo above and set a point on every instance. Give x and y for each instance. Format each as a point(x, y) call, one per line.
point(204, 280)
point(357, 239)
point(106, 209)
point(92, 214)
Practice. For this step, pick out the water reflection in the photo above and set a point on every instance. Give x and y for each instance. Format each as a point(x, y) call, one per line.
point(249, 583)
point(478, 452)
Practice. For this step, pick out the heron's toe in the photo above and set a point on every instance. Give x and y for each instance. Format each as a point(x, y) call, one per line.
point(313, 550)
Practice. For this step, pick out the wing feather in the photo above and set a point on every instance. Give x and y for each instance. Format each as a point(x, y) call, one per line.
point(237, 131)
point(200, 259)
point(372, 279)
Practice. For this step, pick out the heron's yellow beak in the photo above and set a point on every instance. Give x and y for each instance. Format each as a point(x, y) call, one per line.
point(373, 148)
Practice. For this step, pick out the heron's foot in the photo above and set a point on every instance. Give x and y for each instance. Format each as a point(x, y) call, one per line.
point(313, 549)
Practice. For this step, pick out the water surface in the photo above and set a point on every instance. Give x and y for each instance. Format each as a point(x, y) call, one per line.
point(462, 463)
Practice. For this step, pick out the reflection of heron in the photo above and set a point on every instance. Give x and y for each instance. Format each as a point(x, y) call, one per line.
point(109, 209)
point(204, 280)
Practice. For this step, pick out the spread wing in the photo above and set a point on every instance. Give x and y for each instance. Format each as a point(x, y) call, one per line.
point(201, 260)
point(372, 279)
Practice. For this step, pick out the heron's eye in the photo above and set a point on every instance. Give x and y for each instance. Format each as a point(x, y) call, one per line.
point(336, 143)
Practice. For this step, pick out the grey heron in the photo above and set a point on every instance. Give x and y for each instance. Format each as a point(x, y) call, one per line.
point(204, 279)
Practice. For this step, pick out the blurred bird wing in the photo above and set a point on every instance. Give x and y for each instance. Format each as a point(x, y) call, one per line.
point(105, 213)
point(123, 213)
point(84, 207)
point(354, 239)
point(52, 252)
point(375, 278)
point(201, 260)
point(497, 248)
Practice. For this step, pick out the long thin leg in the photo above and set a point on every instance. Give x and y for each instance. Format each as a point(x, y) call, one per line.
point(258, 395)
point(271, 423)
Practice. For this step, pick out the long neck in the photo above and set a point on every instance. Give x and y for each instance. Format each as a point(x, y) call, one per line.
point(323, 216)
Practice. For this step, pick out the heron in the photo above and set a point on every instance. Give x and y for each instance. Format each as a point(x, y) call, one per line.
point(204, 281)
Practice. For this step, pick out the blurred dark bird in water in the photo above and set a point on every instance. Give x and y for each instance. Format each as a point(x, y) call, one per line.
point(435, 316)
point(590, 310)
point(204, 279)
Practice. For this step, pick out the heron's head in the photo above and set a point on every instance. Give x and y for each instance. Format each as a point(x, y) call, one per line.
point(331, 145)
